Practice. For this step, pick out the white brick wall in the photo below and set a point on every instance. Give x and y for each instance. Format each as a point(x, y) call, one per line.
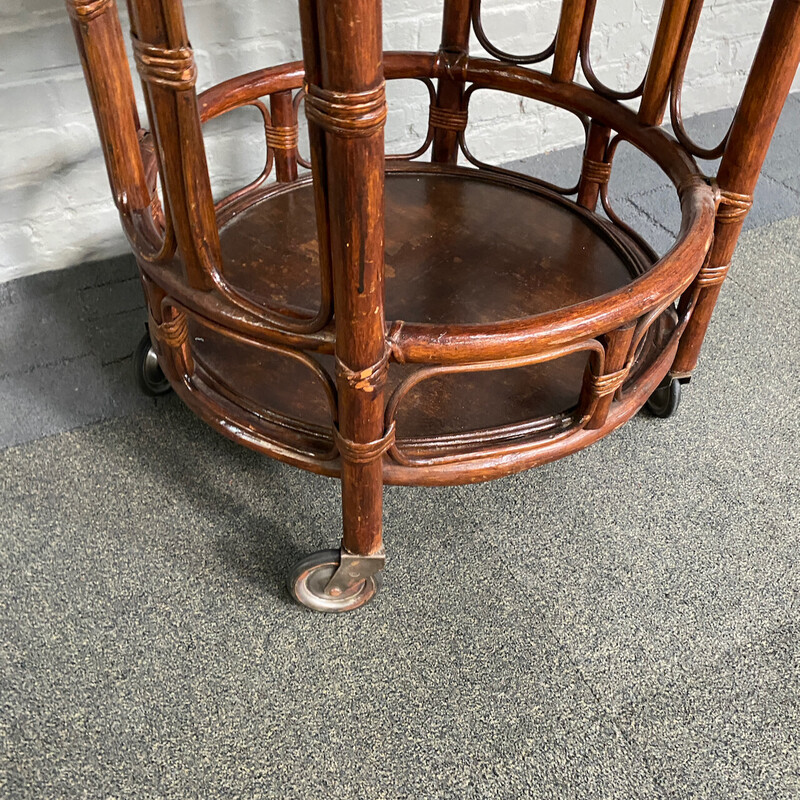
point(55, 206)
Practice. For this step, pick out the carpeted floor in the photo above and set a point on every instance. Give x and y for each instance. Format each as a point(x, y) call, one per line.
point(620, 624)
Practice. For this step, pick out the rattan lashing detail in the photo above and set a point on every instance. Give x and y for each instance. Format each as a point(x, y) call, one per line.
point(368, 379)
point(86, 10)
point(174, 332)
point(596, 171)
point(395, 352)
point(280, 137)
point(447, 119)
point(171, 68)
point(733, 207)
point(712, 275)
point(608, 384)
point(451, 63)
point(348, 114)
point(364, 452)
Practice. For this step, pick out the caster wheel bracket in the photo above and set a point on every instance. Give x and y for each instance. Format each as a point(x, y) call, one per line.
point(353, 569)
point(336, 580)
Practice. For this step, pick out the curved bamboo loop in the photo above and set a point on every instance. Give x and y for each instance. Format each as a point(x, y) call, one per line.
point(586, 61)
point(293, 353)
point(501, 55)
point(261, 179)
point(676, 89)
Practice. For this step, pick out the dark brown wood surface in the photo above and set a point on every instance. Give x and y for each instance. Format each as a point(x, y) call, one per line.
point(458, 250)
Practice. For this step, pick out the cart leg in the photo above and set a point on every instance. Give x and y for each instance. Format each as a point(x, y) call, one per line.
point(105, 66)
point(764, 95)
point(346, 109)
point(166, 65)
point(448, 117)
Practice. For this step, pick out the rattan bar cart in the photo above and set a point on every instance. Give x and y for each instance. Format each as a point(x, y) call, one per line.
point(406, 319)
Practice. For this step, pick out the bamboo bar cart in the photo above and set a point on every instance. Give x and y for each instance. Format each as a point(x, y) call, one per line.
point(416, 319)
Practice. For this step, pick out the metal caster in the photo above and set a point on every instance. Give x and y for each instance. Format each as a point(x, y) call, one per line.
point(335, 580)
point(149, 376)
point(665, 400)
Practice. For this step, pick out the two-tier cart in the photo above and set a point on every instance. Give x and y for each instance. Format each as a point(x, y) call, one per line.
point(422, 318)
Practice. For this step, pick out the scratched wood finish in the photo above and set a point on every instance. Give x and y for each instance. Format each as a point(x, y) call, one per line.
point(441, 233)
point(411, 322)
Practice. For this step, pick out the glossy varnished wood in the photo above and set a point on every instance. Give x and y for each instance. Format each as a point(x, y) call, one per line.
point(463, 248)
point(273, 404)
point(459, 249)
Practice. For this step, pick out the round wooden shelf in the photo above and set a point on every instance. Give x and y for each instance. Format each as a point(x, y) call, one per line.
point(461, 247)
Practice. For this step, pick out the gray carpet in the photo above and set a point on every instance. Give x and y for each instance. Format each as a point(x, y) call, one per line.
point(620, 624)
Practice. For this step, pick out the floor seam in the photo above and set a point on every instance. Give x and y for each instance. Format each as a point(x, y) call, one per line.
point(46, 365)
point(794, 191)
point(649, 216)
point(118, 360)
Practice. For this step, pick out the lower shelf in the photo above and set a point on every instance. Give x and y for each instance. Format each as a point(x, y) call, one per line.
point(461, 247)
point(478, 427)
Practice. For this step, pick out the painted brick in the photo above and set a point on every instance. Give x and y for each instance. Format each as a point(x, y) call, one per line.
point(251, 55)
point(22, 53)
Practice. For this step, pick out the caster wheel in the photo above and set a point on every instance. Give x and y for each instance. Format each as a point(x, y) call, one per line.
point(149, 376)
point(665, 400)
point(310, 576)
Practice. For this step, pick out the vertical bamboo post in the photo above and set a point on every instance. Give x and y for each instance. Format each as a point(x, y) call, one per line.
point(282, 136)
point(98, 35)
point(659, 71)
point(346, 109)
point(568, 38)
point(617, 344)
point(312, 63)
point(594, 170)
point(450, 89)
point(765, 93)
point(166, 64)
